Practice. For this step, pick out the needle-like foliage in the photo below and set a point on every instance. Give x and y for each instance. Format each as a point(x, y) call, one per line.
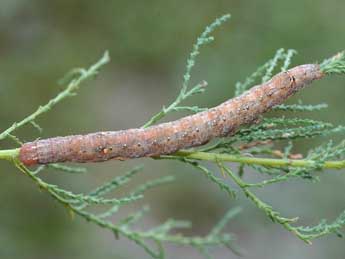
point(254, 146)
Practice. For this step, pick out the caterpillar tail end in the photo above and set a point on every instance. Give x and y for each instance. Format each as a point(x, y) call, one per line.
point(27, 154)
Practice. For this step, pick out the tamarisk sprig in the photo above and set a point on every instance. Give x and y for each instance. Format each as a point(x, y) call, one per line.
point(300, 107)
point(268, 131)
point(79, 203)
point(265, 71)
point(263, 159)
point(203, 39)
point(335, 64)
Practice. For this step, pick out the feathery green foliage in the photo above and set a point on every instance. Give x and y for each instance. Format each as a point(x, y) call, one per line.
point(300, 107)
point(253, 146)
point(203, 39)
point(81, 204)
point(334, 65)
point(265, 71)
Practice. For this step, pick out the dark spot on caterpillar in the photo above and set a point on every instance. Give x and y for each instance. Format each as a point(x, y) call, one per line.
point(293, 79)
point(270, 92)
point(99, 149)
point(139, 145)
point(246, 107)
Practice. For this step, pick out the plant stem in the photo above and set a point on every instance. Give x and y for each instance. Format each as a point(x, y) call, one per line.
point(256, 160)
point(9, 154)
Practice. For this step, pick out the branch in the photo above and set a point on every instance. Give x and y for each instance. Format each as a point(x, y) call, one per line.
point(9, 154)
point(270, 162)
point(246, 109)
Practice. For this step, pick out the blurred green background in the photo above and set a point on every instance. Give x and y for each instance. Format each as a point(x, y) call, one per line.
point(149, 42)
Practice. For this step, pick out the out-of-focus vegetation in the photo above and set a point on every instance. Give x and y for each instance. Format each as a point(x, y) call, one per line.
point(148, 42)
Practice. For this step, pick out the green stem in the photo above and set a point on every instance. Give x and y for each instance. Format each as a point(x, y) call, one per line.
point(9, 154)
point(256, 160)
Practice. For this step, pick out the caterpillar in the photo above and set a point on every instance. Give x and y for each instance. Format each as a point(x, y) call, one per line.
point(167, 138)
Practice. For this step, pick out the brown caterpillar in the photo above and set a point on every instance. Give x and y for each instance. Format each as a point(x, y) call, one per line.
point(167, 138)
